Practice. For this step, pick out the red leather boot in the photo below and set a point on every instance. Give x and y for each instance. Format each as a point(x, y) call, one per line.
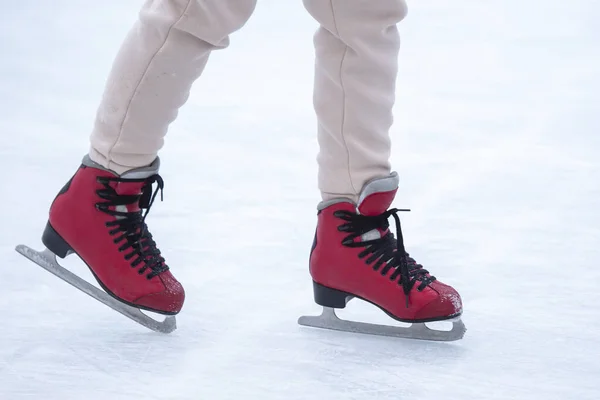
point(99, 216)
point(356, 255)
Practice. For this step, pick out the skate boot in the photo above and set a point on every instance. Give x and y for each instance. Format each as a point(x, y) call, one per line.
point(355, 255)
point(100, 216)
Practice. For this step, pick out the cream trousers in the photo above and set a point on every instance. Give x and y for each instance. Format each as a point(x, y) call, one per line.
point(356, 64)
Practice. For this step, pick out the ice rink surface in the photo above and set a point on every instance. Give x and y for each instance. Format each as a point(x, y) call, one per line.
point(497, 144)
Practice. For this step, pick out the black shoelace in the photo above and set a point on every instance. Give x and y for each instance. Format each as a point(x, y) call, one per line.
point(131, 227)
point(387, 250)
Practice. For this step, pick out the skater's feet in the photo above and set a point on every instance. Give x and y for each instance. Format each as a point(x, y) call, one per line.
point(100, 216)
point(355, 255)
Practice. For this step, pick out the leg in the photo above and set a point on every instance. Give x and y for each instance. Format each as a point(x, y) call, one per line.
point(164, 53)
point(354, 254)
point(100, 214)
point(357, 49)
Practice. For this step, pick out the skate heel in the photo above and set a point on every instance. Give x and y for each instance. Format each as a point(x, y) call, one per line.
point(55, 243)
point(328, 297)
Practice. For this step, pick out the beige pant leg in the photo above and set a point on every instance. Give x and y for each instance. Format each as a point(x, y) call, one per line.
point(356, 66)
point(163, 54)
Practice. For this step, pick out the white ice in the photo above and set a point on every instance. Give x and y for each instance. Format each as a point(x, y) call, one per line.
point(497, 143)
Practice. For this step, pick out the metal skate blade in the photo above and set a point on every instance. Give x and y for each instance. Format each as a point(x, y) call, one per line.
point(47, 260)
point(329, 320)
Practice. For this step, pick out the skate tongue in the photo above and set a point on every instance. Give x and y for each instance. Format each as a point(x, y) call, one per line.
point(127, 189)
point(135, 188)
point(377, 195)
point(375, 199)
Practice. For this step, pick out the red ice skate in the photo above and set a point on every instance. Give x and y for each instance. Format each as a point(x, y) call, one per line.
point(355, 255)
point(99, 216)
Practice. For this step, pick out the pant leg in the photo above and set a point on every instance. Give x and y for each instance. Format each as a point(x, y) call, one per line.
point(163, 54)
point(356, 47)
